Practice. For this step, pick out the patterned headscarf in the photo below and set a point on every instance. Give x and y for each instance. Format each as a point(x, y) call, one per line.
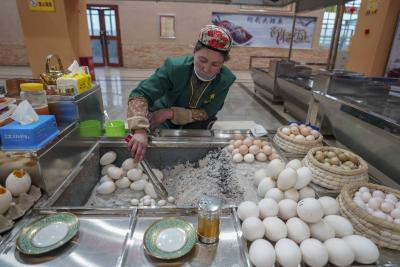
point(216, 38)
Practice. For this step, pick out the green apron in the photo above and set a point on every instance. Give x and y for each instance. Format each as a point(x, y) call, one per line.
point(171, 85)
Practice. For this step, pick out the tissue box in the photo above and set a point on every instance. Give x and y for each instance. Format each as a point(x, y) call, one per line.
point(34, 136)
point(76, 83)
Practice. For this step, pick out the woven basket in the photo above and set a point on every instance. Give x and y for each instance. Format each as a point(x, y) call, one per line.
point(383, 233)
point(291, 145)
point(334, 178)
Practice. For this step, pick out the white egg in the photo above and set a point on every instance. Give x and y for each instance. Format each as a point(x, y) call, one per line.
point(135, 174)
point(292, 194)
point(357, 194)
point(106, 188)
point(378, 193)
point(322, 231)
point(259, 175)
point(387, 207)
point(128, 164)
point(365, 251)
point(286, 130)
point(294, 164)
point(363, 189)
point(105, 178)
point(134, 201)
point(389, 218)
point(310, 210)
point(286, 179)
point(339, 252)
point(115, 173)
point(146, 202)
point(275, 194)
point(158, 174)
point(138, 185)
point(275, 229)
point(253, 228)
point(230, 148)
point(397, 206)
point(396, 221)
point(237, 158)
point(341, 225)
point(123, 182)
point(162, 202)
point(380, 214)
point(299, 137)
point(307, 192)
point(18, 182)
point(366, 196)
point(262, 253)
point(287, 209)
point(315, 133)
point(314, 253)
point(329, 205)
point(395, 213)
point(248, 209)
point(373, 203)
point(268, 208)
point(265, 185)
point(369, 210)
point(261, 157)
point(171, 199)
point(275, 167)
point(310, 138)
point(104, 170)
point(5, 199)
point(288, 253)
point(360, 203)
point(249, 158)
point(392, 197)
point(108, 158)
point(149, 190)
point(298, 230)
point(304, 177)
point(144, 177)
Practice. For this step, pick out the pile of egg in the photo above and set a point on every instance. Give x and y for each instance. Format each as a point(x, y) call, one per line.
point(129, 175)
point(337, 158)
point(301, 132)
point(17, 182)
point(250, 149)
point(288, 228)
point(378, 204)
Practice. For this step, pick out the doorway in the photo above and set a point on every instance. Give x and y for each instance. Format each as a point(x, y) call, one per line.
point(105, 37)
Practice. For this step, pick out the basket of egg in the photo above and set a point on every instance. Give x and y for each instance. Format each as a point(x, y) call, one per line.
point(332, 167)
point(297, 138)
point(374, 211)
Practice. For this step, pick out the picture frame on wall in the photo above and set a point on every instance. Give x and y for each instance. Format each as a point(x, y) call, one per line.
point(167, 26)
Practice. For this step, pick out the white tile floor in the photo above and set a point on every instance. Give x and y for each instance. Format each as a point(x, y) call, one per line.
point(116, 84)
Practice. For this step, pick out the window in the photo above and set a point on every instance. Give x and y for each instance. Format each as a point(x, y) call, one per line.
point(167, 26)
point(349, 23)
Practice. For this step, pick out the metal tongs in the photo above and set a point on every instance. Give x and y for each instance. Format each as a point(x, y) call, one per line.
point(157, 184)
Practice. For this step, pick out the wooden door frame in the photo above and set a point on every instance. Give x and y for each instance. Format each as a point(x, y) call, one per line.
point(118, 37)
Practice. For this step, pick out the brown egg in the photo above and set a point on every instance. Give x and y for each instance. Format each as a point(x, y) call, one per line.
point(235, 151)
point(257, 142)
point(261, 157)
point(294, 130)
point(264, 143)
point(320, 157)
point(334, 161)
point(248, 141)
point(304, 131)
point(254, 149)
point(237, 143)
point(310, 138)
point(267, 150)
point(238, 137)
point(331, 154)
point(273, 156)
point(315, 133)
point(243, 149)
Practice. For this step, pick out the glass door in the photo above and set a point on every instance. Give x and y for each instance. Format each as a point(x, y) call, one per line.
point(105, 38)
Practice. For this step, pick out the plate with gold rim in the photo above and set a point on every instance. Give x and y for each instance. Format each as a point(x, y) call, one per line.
point(47, 233)
point(169, 238)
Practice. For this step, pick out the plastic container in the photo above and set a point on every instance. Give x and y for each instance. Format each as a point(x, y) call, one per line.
point(36, 96)
point(115, 128)
point(34, 136)
point(90, 128)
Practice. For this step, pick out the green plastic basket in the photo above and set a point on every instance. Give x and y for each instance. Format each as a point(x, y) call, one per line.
point(115, 128)
point(90, 128)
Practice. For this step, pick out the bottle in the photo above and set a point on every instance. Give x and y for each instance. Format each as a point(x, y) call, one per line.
point(208, 221)
point(36, 96)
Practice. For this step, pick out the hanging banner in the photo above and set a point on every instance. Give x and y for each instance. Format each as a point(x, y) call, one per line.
point(393, 65)
point(41, 5)
point(267, 30)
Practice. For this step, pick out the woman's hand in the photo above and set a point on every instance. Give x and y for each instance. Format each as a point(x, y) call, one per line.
point(160, 116)
point(138, 145)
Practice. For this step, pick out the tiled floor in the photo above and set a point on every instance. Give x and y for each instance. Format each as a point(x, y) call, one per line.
point(116, 84)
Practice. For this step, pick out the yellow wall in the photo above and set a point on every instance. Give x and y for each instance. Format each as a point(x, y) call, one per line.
point(368, 53)
point(63, 32)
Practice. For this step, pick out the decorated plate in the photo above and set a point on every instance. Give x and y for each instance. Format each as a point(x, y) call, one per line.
point(48, 233)
point(169, 238)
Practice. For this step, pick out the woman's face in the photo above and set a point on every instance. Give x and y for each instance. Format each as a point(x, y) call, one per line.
point(208, 62)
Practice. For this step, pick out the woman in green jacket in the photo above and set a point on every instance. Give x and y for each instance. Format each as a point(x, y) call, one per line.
point(185, 92)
